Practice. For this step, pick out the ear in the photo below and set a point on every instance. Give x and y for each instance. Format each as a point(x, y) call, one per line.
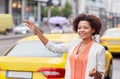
point(93, 31)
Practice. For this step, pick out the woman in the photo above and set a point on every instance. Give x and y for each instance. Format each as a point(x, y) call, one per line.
point(86, 58)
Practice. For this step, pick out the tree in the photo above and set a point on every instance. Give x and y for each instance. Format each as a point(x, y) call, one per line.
point(55, 11)
point(43, 11)
point(66, 11)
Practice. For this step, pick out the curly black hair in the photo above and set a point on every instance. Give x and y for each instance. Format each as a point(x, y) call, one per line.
point(93, 20)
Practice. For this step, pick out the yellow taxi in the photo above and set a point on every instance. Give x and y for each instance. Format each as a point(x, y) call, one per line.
point(111, 39)
point(28, 58)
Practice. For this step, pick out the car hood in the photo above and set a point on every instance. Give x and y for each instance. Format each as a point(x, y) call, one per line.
point(29, 63)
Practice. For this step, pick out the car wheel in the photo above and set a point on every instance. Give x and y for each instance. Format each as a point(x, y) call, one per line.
point(15, 33)
point(110, 71)
point(6, 32)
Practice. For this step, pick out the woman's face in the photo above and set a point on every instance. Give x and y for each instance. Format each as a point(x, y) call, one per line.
point(84, 30)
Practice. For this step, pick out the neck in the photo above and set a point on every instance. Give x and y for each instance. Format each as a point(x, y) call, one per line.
point(85, 41)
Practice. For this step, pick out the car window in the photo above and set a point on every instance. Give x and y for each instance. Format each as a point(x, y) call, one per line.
point(112, 33)
point(22, 25)
point(32, 49)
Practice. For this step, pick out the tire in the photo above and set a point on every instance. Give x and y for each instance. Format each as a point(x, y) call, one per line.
point(110, 71)
point(6, 32)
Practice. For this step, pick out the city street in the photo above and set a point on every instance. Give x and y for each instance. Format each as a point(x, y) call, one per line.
point(7, 42)
point(16, 12)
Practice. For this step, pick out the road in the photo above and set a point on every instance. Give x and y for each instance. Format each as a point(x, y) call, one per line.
point(5, 44)
point(116, 68)
point(8, 40)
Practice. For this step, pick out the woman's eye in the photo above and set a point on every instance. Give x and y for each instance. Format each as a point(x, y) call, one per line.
point(82, 27)
point(85, 27)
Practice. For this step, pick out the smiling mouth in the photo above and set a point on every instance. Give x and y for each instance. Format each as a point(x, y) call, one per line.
point(82, 34)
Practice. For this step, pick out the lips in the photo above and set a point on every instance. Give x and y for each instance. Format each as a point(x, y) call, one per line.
point(82, 34)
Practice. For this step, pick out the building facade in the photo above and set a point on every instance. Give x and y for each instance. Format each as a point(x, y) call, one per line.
point(24, 9)
point(113, 13)
point(3, 6)
point(30, 9)
point(21, 9)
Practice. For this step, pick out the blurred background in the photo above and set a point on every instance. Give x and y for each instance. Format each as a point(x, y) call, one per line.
point(56, 16)
point(40, 11)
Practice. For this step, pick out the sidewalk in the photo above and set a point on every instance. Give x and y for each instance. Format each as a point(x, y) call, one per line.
point(13, 36)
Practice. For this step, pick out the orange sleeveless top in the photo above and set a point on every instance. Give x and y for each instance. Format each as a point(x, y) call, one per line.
point(78, 62)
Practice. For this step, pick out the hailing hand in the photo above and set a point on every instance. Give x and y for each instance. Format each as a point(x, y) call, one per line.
point(32, 26)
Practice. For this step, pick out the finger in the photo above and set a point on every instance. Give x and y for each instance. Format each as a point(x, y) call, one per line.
point(27, 22)
point(91, 73)
point(94, 70)
point(30, 24)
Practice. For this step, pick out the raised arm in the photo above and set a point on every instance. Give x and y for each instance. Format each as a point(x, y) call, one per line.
point(36, 30)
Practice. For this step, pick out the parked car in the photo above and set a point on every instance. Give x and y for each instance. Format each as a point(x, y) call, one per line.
point(21, 29)
point(28, 58)
point(111, 39)
point(6, 23)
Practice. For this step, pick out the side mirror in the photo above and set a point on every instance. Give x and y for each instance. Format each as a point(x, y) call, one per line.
point(106, 48)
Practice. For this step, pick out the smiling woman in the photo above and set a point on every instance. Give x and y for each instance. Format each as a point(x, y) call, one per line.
point(91, 57)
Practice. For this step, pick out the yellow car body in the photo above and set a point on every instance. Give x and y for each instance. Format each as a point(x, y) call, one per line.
point(38, 67)
point(111, 39)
